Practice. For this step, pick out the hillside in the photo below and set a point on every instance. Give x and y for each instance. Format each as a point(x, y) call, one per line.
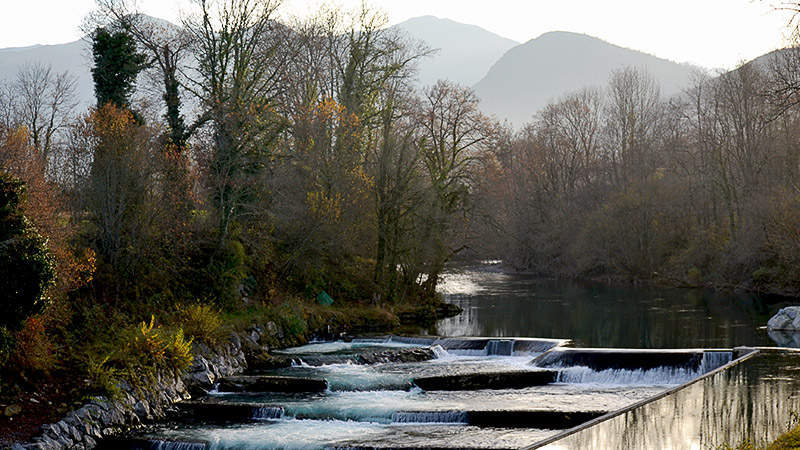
point(464, 52)
point(530, 75)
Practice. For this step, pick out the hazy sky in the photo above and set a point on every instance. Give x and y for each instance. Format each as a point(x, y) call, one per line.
point(710, 33)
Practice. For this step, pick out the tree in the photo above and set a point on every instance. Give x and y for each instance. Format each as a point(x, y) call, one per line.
point(238, 58)
point(116, 65)
point(44, 101)
point(167, 50)
point(120, 195)
point(27, 267)
point(452, 129)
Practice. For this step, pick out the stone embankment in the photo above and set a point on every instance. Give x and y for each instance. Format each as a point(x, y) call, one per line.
point(136, 405)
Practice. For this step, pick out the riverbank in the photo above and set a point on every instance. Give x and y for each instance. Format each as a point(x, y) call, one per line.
point(242, 338)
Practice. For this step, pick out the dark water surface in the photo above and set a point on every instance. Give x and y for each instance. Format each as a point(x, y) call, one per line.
point(598, 315)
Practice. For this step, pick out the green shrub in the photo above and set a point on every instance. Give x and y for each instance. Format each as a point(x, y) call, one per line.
point(179, 352)
point(150, 348)
point(200, 322)
point(103, 378)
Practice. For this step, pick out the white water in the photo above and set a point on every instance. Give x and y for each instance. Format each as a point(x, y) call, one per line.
point(159, 444)
point(331, 434)
point(714, 359)
point(430, 417)
point(268, 412)
point(661, 376)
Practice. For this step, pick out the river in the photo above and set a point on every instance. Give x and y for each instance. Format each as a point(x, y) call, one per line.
point(499, 304)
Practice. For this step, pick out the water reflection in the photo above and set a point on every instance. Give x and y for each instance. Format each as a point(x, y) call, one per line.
point(751, 402)
point(596, 315)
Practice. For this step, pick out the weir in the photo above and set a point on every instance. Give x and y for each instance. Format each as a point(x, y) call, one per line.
point(470, 393)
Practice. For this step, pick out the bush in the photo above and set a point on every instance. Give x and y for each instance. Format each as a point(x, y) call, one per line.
point(103, 378)
point(200, 322)
point(33, 350)
point(6, 346)
point(179, 352)
point(151, 349)
point(26, 265)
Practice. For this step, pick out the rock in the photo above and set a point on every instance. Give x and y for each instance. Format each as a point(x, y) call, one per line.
point(791, 311)
point(142, 409)
point(787, 318)
point(778, 322)
point(12, 410)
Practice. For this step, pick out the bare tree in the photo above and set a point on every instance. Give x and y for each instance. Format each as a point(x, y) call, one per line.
point(452, 130)
point(45, 102)
point(632, 116)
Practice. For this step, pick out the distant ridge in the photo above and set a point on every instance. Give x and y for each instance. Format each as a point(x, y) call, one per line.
point(72, 56)
point(465, 52)
point(532, 74)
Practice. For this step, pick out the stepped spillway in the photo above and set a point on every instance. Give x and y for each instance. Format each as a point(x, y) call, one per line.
point(467, 393)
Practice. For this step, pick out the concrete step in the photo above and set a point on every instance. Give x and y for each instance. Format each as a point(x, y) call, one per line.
point(488, 380)
point(267, 383)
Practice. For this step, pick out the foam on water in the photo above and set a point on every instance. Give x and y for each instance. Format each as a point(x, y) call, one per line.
point(358, 377)
point(331, 434)
point(285, 434)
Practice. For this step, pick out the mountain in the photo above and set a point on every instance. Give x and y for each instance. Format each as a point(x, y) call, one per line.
point(74, 57)
point(465, 52)
point(532, 74)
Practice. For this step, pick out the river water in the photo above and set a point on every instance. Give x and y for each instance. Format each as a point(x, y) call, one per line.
point(381, 406)
point(597, 315)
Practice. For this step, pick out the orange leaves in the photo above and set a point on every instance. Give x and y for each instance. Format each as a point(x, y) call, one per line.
point(33, 350)
point(110, 120)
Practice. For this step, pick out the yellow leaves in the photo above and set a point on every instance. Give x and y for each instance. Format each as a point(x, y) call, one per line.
point(325, 207)
point(361, 177)
point(109, 120)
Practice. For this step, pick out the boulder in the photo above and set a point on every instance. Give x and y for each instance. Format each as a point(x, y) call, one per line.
point(779, 322)
point(787, 319)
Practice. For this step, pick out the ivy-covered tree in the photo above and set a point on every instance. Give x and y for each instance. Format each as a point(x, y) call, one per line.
point(116, 65)
point(26, 265)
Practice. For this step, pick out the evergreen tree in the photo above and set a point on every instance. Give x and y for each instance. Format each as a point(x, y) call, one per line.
point(116, 65)
point(25, 262)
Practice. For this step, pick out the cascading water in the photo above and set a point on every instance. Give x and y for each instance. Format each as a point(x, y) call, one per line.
point(430, 417)
point(377, 405)
point(662, 376)
point(714, 359)
point(159, 444)
point(500, 348)
point(268, 412)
